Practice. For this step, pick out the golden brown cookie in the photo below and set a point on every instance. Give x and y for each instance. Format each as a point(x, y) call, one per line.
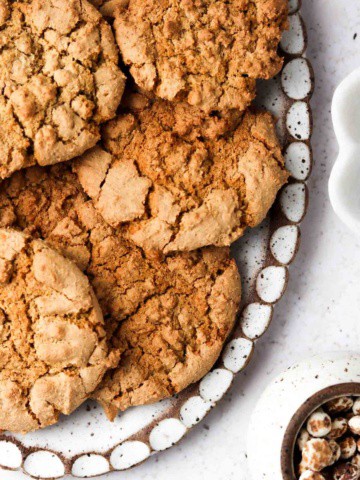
point(209, 52)
point(109, 7)
point(53, 351)
point(59, 80)
point(174, 337)
point(176, 180)
point(167, 317)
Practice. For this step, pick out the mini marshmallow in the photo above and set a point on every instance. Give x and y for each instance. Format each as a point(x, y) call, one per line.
point(339, 427)
point(319, 424)
point(302, 468)
point(303, 437)
point(346, 471)
point(354, 424)
point(317, 454)
point(336, 451)
point(341, 404)
point(356, 406)
point(348, 447)
point(310, 475)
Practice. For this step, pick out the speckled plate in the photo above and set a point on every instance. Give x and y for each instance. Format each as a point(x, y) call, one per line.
point(86, 444)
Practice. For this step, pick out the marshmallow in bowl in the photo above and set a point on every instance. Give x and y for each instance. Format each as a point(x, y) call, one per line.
point(338, 405)
point(317, 454)
point(319, 424)
point(348, 447)
point(354, 424)
point(310, 475)
point(339, 427)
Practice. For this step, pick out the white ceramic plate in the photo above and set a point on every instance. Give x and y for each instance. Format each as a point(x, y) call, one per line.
point(343, 186)
point(86, 444)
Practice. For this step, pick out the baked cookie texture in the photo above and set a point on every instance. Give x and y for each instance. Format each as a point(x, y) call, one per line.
point(167, 317)
point(208, 52)
point(59, 80)
point(109, 7)
point(53, 350)
point(176, 180)
point(173, 339)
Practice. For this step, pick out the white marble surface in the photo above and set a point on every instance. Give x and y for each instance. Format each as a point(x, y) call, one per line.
point(321, 308)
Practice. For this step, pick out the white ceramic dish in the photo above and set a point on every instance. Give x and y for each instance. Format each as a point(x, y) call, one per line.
point(343, 185)
point(288, 401)
point(86, 444)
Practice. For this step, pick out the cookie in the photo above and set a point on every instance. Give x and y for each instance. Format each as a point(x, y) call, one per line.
point(207, 52)
point(53, 350)
point(59, 81)
point(176, 180)
point(174, 338)
point(167, 317)
point(109, 7)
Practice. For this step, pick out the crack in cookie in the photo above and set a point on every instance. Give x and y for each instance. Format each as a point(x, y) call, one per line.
point(108, 8)
point(174, 338)
point(167, 317)
point(177, 180)
point(59, 80)
point(207, 52)
point(53, 350)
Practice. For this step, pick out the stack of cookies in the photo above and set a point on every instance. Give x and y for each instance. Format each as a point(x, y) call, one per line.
point(130, 159)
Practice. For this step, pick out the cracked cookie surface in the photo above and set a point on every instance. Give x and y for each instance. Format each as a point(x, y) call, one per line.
point(176, 180)
point(59, 80)
point(209, 52)
point(167, 317)
point(53, 350)
point(109, 7)
point(174, 337)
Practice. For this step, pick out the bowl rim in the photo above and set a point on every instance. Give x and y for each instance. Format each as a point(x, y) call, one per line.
point(298, 419)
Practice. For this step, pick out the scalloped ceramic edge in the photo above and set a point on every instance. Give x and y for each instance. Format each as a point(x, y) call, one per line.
point(268, 283)
point(283, 398)
point(343, 186)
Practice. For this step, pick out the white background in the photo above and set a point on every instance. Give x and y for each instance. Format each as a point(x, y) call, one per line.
point(321, 308)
